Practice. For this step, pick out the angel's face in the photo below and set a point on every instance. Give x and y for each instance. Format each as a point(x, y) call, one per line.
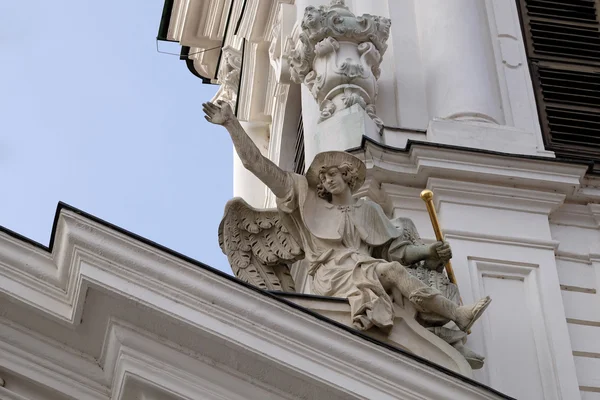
point(333, 181)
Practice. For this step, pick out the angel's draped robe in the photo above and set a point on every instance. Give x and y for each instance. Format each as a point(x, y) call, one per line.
point(344, 245)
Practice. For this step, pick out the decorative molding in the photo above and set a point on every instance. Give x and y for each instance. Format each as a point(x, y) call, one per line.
point(492, 196)
point(595, 210)
point(49, 363)
point(409, 197)
point(575, 215)
point(528, 274)
point(131, 354)
point(8, 395)
point(177, 19)
point(373, 190)
point(516, 88)
point(485, 136)
point(280, 41)
point(406, 333)
point(255, 72)
point(229, 76)
point(337, 56)
point(501, 240)
point(248, 331)
point(413, 167)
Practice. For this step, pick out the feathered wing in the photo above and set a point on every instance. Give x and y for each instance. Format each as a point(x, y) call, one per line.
point(408, 230)
point(259, 248)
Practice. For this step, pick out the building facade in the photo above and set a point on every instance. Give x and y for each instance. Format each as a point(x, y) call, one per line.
point(493, 105)
point(488, 103)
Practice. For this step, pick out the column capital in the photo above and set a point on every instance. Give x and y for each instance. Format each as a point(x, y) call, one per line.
point(228, 76)
point(337, 56)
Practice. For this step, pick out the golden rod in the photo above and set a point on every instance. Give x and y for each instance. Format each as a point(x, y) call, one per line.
point(427, 197)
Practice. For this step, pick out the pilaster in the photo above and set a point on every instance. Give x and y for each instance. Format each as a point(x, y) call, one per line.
point(458, 60)
point(503, 247)
point(245, 184)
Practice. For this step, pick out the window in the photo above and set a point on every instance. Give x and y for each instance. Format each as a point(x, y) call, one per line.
point(299, 148)
point(562, 39)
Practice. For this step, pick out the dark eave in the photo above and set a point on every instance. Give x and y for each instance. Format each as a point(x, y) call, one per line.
point(163, 31)
point(276, 296)
point(185, 51)
point(163, 28)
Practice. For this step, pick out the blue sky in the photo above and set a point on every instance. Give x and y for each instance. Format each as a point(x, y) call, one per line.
point(92, 115)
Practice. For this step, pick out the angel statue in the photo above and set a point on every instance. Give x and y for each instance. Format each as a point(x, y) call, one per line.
point(353, 250)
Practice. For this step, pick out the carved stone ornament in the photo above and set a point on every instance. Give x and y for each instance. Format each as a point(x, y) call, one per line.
point(337, 55)
point(229, 76)
point(350, 247)
point(259, 248)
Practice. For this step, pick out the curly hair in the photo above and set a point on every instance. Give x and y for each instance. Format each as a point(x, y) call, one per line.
point(349, 175)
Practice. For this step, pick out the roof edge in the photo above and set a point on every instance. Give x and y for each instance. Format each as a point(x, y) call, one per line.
point(277, 296)
point(165, 21)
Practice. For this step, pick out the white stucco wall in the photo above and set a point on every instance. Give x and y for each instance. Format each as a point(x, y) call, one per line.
point(455, 73)
point(523, 229)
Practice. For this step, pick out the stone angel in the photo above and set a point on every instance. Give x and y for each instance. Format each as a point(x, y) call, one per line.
point(354, 251)
point(258, 246)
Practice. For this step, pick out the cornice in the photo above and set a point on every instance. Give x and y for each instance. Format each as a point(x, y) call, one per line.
point(50, 364)
point(91, 255)
point(5, 394)
point(502, 240)
point(595, 211)
point(420, 161)
point(409, 197)
point(493, 196)
point(374, 191)
point(576, 215)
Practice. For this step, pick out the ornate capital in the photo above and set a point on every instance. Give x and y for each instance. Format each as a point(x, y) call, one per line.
point(337, 55)
point(229, 76)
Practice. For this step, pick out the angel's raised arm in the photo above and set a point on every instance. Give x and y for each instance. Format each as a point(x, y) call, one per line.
point(274, 177)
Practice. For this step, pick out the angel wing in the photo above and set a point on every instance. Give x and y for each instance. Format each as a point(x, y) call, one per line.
point(408, 229)
point(259, 248)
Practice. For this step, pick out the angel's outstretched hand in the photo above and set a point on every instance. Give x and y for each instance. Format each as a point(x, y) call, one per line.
point(220, 113)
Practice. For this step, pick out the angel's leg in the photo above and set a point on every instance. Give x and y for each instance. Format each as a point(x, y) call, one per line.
point(393, 275)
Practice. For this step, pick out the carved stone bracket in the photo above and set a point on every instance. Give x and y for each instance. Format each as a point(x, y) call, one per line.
point(337, 56)
point(229, 76)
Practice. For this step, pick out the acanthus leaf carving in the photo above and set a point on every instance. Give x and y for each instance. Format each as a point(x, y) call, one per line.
point(337, 55)
point(229, 76)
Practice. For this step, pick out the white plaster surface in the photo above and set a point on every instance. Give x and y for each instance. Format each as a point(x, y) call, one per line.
point(105, 317)
point(458, 61)
point(345, 130)
point(245, 184)
point(119, 319)
point(483, 136)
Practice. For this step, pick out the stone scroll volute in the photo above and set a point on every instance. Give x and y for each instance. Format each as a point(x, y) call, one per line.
point(337, 56)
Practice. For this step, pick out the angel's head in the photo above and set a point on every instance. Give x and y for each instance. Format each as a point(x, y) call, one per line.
point(336, 179)
point(333, 172)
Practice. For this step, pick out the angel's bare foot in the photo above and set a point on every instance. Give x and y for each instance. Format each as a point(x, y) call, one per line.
point(467, 315)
